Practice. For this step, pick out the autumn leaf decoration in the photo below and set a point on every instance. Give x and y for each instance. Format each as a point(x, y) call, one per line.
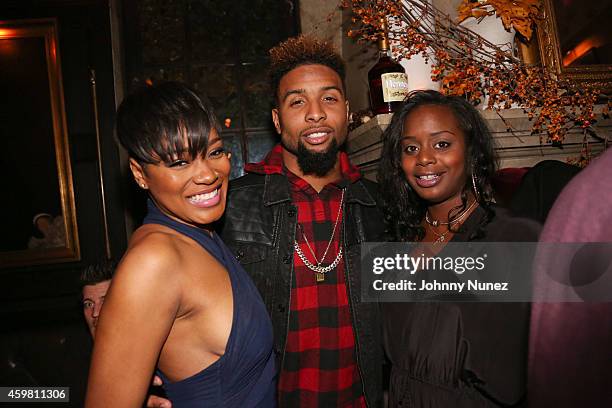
point(520, 14)
point(554, 104)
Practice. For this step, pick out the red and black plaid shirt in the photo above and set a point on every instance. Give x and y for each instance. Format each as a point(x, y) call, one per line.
point(320, 364)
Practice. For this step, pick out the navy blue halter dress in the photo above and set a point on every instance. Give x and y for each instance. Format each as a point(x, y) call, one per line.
point(245, 376)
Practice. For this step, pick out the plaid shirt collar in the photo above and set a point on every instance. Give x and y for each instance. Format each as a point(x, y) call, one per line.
point(273, 164)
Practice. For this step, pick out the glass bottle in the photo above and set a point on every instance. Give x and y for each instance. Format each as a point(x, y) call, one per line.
point(387, 79)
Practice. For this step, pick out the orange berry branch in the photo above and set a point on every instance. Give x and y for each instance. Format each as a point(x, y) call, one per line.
point(468, 65)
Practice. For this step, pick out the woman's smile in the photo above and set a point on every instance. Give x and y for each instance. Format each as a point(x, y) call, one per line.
point(434, 154)
point(204, 200)
point(428, 180)
point(191, 190)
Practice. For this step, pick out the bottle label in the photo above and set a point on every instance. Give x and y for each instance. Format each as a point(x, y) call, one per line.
point(394, 86)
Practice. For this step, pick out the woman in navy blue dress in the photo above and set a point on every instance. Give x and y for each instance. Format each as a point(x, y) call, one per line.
point(179, 302)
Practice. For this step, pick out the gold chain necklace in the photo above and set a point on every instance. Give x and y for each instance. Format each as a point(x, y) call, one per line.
point(319, 270)
point(436, 223)
point(441, 237)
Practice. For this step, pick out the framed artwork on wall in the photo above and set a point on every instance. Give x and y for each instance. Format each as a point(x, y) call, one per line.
point(575, 40)
point(38, 207)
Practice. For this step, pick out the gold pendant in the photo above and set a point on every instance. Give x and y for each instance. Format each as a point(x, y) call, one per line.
point(320, 277)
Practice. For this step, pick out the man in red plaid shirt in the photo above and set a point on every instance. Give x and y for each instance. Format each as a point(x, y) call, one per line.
point(296, 221)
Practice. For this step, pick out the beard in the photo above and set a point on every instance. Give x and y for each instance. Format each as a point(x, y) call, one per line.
point(317, 164)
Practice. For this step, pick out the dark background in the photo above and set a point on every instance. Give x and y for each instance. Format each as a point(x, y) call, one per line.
point(28, 153)
point(217, 47)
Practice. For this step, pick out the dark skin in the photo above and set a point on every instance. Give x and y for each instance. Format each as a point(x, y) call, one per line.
point(159, 298)
point(311, 109)
point(433, 161)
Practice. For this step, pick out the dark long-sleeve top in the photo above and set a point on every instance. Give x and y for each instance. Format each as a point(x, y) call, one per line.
point(461, 354)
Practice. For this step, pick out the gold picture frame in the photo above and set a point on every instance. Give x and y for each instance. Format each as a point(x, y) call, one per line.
point(551, 54)
point(35, 162)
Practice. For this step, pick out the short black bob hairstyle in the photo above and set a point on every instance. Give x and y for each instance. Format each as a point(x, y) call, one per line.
point(403, 209)
point(164, 121)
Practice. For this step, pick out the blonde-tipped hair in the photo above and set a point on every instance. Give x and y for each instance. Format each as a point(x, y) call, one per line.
point(302, 50)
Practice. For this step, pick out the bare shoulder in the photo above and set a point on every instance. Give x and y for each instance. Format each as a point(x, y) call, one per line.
point(141, 306)
point(155, 254)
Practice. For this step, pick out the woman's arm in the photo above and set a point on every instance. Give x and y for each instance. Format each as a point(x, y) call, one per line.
point(137, 317)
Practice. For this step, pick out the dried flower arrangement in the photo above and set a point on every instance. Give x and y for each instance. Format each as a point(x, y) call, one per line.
point(518, 14)
point(468, 65)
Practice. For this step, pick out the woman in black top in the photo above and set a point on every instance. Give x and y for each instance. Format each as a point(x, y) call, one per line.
point(436, 164)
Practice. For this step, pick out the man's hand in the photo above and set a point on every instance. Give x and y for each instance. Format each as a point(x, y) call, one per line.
point(157, 402)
